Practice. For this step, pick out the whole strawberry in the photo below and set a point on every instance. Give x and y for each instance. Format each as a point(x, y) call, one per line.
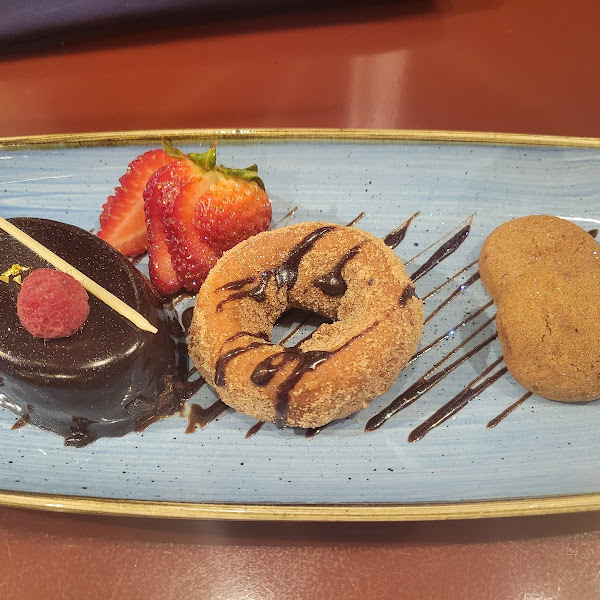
point(202, 210)
point(231, 204)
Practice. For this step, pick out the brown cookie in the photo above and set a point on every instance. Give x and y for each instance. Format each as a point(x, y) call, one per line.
point(539, 241)
point(549, 327)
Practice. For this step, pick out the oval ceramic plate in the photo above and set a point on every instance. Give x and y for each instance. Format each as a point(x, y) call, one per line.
point(542, 457)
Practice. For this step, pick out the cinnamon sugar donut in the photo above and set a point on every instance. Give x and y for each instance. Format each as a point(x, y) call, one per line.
point(341, 273)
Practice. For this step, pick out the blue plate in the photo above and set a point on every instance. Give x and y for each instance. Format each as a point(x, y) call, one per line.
point(543, 457)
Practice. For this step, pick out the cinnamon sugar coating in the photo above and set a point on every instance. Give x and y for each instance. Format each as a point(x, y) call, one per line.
point(377, 324)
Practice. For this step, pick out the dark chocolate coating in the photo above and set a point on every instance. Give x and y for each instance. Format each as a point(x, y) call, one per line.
point(109, 378)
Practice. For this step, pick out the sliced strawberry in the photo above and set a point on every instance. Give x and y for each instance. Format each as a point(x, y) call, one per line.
point(191, 256)
point(159, 191)
point(122, 222)
point(195, 211)
point(231, 210)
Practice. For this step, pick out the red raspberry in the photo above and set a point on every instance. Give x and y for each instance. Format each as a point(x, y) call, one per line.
point(52, 304)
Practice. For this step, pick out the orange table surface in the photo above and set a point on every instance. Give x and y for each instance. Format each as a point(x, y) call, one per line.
point(487, 65)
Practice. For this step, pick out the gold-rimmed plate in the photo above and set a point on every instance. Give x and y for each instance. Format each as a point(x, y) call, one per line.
point(541, 458)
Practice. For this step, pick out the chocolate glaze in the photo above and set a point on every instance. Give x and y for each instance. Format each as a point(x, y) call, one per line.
point(285, 274)
point(110, 377)
point(332, 283)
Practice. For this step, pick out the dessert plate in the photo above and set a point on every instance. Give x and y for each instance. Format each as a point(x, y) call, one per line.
point(542, 457)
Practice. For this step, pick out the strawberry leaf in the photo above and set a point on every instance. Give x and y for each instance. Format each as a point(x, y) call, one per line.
point(206, 160)
point(172, 151)
point(248, 174)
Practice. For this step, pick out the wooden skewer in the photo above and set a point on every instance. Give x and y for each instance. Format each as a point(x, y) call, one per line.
point(91, 286)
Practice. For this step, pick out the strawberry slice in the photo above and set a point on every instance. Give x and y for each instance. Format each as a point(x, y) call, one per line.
point(158, 197)
point(122, 222)
point(191, 256)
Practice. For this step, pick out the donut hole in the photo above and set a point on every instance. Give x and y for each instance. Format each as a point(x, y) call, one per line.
point(295, 325)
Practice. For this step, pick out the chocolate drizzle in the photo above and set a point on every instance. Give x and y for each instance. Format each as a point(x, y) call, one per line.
point(313, 431)
point(459, 290)
point(186, 319)
point(21, 421)
point(450, 279)
point(426, 382)
point(452, 331)
point(497, 420)
point(356, 219)
point(407, 293)
point(286, 274)
point(305, 361)
point(459, 401)
point(254, 429)
point(395, 237)
point(201, 417)
point(442, 252)
point(228, 356)
point(332, 283)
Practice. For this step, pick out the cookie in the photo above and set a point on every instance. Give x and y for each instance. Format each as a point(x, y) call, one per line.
point(548, 324)
point(539, 241)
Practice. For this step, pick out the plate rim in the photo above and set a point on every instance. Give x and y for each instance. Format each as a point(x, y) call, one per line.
point(298, 512)
point(446, 511)
point(122, 138)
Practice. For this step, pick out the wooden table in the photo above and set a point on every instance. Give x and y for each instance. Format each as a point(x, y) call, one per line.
point(489, 65)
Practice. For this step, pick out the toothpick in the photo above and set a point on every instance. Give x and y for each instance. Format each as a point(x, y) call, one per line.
point(91, 286)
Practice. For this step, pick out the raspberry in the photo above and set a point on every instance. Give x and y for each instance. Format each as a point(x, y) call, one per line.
point(52, 304)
